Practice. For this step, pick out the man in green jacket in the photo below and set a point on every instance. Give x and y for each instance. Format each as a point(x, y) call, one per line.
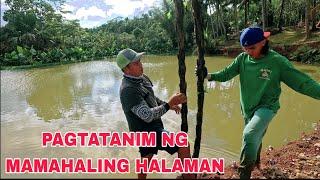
point(261, 71)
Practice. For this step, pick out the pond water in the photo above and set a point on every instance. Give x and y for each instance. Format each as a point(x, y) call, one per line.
point(84, 97)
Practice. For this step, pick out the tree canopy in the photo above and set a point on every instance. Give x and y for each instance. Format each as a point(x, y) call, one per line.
point(37, 33)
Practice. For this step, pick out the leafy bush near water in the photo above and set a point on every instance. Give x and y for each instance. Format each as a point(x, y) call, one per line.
point(306, 54)
point(30, 56)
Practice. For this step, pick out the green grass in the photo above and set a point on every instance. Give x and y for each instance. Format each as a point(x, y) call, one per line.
point(286, 37)
point(290, 36)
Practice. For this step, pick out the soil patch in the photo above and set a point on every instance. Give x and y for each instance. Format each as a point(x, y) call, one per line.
point(297, 159)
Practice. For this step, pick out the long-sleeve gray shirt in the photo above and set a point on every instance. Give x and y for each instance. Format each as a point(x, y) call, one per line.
point(142, 108)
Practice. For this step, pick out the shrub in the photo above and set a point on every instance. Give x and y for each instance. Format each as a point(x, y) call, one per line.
point(306, 54)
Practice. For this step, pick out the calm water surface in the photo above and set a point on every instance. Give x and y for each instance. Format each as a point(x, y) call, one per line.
point(84, 97)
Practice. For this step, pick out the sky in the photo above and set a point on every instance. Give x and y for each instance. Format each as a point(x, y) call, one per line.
point(97, 12)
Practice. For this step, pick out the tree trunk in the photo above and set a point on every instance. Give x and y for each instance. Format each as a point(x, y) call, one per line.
point(218, 25)
point(198, 28)
point(264, 14)
point(212, 21)
point(246, 4)
point(314, 13)
point(280, 23)
point(307, 16)
point(181, 61)
point(217, 20)
point(236, 16)
point(220, 20)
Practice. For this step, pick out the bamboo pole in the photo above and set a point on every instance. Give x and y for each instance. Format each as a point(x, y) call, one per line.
point(198, 28)
point(179, 9)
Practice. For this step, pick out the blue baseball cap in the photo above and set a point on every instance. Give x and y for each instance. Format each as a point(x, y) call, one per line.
point(252, 35)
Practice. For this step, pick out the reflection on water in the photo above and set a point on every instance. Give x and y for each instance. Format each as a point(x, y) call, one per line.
point(84, 97)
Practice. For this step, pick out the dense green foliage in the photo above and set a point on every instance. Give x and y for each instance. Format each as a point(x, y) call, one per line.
point(36, 32)
point(307, 55)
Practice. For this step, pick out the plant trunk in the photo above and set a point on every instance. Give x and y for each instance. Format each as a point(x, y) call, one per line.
point(280, 23)
point(236, 16)
point(220, 17)
point(264, 14)
point(307, 16)
point(212, 22)
point(314, 13)
point(246, 4)
point(198, 28)
point(181, 61)
point(218, 25)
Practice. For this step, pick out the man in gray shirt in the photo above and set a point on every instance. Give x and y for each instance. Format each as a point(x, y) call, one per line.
point(143, 110)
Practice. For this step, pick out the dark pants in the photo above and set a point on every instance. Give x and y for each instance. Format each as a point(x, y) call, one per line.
point(144, 151)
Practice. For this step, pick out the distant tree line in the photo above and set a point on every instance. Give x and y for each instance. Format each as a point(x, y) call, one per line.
point(36, 33)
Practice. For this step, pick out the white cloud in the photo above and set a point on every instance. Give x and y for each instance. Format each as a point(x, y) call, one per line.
point(67, 7)
point(4, 7)
point(104, 12)
point(83, 13)
point(126, 8)
point(70, 16)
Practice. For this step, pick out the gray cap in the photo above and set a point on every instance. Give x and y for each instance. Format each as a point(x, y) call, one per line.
point(127, 56)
